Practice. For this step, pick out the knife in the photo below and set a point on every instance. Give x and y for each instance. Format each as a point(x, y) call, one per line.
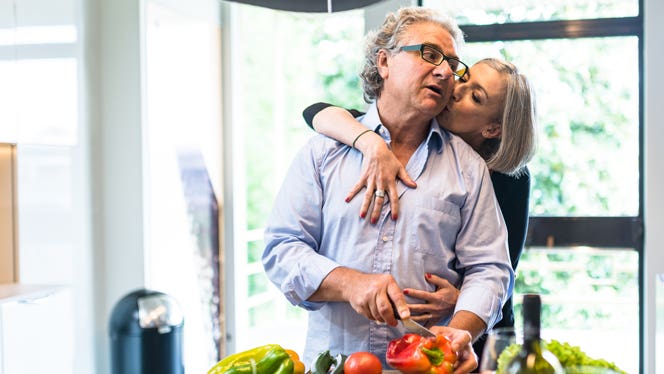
point(416, 328)
point(411, 325)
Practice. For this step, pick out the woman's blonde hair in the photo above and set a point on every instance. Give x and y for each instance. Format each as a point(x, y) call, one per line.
point(510, 153)
point(388, 37)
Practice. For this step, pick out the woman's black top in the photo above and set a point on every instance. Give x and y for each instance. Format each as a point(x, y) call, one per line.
point(513, 195)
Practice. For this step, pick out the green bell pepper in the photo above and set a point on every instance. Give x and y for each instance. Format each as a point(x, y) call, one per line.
point(266, 359)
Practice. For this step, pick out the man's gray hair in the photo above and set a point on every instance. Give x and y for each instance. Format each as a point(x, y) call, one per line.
point(388, 37)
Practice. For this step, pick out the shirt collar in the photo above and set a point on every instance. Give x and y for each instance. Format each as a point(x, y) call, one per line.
point(371, 119)
point(435, 138)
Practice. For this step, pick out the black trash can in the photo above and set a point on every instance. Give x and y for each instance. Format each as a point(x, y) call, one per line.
point(146, 334)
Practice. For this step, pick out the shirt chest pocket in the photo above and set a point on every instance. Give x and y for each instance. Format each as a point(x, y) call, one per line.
point(434, 227)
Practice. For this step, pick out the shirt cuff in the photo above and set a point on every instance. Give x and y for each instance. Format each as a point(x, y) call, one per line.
point(310, 277)
point(482, 302)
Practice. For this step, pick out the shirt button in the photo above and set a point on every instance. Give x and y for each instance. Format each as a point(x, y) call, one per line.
point(385, 239)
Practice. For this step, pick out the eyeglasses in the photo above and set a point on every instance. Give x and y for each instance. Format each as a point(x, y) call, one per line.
point(432, 55)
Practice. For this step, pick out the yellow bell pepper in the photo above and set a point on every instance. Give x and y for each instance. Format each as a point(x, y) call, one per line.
point(266, 359)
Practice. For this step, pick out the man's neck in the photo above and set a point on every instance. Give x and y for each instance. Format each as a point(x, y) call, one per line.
point(407, 129)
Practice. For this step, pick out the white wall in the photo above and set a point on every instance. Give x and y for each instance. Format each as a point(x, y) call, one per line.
point(53, 180)
point(654, 172)
point(113, 66)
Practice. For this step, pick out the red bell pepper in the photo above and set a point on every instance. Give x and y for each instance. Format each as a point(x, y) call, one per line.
point(414, 354)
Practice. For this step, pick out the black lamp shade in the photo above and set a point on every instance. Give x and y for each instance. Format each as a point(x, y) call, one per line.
point(310, 5)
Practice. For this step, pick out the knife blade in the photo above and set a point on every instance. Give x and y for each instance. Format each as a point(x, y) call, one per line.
point(411, 325)
point(416, 328)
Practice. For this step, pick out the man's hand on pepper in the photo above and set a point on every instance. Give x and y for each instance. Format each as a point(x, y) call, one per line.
point(462, 343)
point(414, 354)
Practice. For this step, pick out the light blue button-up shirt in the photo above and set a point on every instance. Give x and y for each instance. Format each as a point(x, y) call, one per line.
point(450, 225)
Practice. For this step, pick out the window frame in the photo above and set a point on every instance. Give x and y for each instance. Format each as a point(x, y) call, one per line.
point(602, 232)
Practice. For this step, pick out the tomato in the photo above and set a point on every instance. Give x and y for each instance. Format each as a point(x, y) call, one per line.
point(363, 363)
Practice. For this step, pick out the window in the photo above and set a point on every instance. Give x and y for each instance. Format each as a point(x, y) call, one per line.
point(280, 62)
point(584, 248)
point(584, 59)
point(182, 166)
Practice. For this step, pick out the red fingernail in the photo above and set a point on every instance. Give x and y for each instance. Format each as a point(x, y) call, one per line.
point(374, 220)
point(405, 292)
point(362, 215)
point(394, 217)
point(347, 199)
point(428, 275)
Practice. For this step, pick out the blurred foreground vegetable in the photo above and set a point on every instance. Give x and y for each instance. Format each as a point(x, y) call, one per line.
point(414, 354)
point(266, 359)
point(325, 363)
point(569, 356)
point(298, 366)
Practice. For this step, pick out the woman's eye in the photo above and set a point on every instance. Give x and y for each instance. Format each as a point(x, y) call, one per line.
point(476, 98)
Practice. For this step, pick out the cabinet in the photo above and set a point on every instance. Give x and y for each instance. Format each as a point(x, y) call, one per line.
point(8, 252)
point(35, 330)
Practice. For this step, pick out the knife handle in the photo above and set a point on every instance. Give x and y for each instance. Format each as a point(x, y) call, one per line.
point(394, 309)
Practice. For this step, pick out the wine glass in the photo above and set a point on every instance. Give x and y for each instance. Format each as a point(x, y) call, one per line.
point(496, 341)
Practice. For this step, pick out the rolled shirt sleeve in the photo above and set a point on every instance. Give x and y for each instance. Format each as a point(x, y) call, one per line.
point(482, 250)
point(291, 258)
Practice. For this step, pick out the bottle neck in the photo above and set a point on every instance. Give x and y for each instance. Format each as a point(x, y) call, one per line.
point(531, 331)
point(531, 319)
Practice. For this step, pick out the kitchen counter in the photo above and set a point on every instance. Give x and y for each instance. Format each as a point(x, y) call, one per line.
point(36, 321)
point(26, 292)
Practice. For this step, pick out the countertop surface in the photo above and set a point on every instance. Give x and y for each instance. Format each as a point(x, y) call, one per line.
point(17, 292)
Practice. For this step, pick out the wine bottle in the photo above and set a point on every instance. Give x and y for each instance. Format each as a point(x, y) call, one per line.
point(533, 357)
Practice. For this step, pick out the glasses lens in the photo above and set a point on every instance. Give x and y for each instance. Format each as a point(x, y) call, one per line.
point(454, 64)
point(458, 67)
point(431, 55)
point(460, 70)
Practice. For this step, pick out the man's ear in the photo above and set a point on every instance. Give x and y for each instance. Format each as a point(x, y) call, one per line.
point(382, 64)
point(494, 130)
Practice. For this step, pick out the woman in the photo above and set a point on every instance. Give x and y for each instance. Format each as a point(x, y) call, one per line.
point(492, 109)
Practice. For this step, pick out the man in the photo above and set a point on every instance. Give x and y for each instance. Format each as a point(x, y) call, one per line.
point(347, 271)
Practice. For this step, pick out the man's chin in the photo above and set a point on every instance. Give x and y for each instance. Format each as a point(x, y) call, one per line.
point(434, 107)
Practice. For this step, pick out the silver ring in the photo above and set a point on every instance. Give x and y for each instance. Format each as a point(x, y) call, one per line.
point(380, 193)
